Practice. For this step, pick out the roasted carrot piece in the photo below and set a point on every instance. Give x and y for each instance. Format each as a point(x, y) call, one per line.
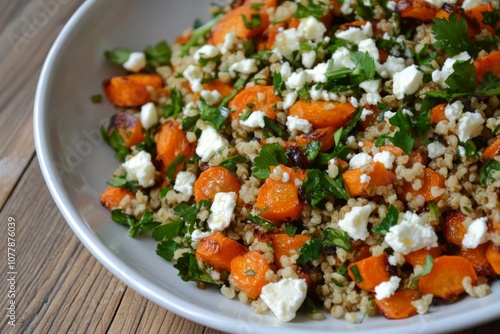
point(370, 272)
point(445, 279)
point(398, 306)
point(419, 10)
point(492, 151)
point(437, 113)
point(268, 37)
point(416, 157)
point(214, 180)
point(218, 251)
point(283, 244)
point(475, 15)
point(254, 98)
point(223, 88)
point(493, 256)
point(361, 251)
point(489, 63)
point(249, 273)
point(112, 196)
point(130, 91)
point(477, 256)
point(379, 177)
point(280, 199)
point(453, 228)
point(322, 135)
point(418, 256)
point(129, 128)
point(322, 113)
point(240, 20)
point(431, 179)
point(370, 119)
point(171, 141)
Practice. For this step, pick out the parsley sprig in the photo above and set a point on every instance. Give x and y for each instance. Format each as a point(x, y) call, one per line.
point(451, 34)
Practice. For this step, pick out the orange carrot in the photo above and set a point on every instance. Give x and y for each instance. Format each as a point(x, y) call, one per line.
point(240, 20)
point(130, 91)
point(268, 37)
point(379, 177)
point(418, 257)
point(489, 63)
point(477, 256)
point(370, 119)
point(437, 113)
point(323, 135)
point(255, 98)
point(431, 179)
point(419, 10)
point(219, 250)
point(492, 151)
point(322, 113)
point(445, 279)
point(454, 229)
point(370, 272)
point(171, 141)
point(249, 273)
point(280, 199)
point(283, 244)
point(398, 306)
point(112, 196)
point(129, 128)
point(214, 180)
point(475, 16)
point(416, 157)
point(493, 256)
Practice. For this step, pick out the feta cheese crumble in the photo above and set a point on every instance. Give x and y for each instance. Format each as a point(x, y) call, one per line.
point(477, 233)
point(387, 288)
point(285, 297)
point(360, 160)
point(255, 120)
point(355, 222)
point(410, 234)
point(184, 182)
point(297, 124)
point(136, 61)
point(435, 150)
point(222, 211)
point(140, 168)
point(386, 158)
point(407, 82)
point(149, 115)
point(209, 143)
point(470, 125)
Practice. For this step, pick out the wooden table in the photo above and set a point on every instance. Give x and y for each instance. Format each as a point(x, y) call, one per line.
point(59, 286)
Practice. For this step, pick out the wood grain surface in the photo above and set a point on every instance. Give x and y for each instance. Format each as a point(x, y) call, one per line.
point(60, 287)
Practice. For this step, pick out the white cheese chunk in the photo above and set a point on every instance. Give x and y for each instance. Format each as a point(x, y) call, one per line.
point(368, 45)
point(285, 71)
point(149, 115)
point(211, 97)
point(297, 80)
point(287, 42)
point(440, 76)
point(454, 110)
point(311, 29)
point(470, 125)
point(290, 99)
point(391, 66)
point(136, 61)
point(342, 58)
point(360, 160)
point(209, 143)
point(207, 51)
point(228, 44)
point(244, 66)
point(222, 211)
point(308, 58)
point(469, 4)
point(386, 158)
point(317, 74)
point(355, 222)
point(255, 120)
point(297, 124)
point(198, 236)
point(140, 168)
point(194, 75)
point(435, 149)
point(477, 233)
point(184, 182)
point(407, 82)
point(370, 86)
point(387, 288)
point(410, 234)
point(284, 297)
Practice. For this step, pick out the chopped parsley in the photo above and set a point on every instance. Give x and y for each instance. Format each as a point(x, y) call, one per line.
point(355, 272)
point(214, 116)
point(390, 220)
point(260, 221)
point(175, 108)
point(318, 186)
point(121, 181)
point(158, 55)
point(141, 226)
point(166, 249)
point(167, 231)
point(255, 21)
point(488, 170)
point(451, 34)
point(96, 98)
point(428, 264)
point(310, 251)
point(311, 9)
point(189, 271)
point(269, 155)
point(116, 142)
point(290, 229)
point(230, 163)
point(118, 56)
point(338, 238)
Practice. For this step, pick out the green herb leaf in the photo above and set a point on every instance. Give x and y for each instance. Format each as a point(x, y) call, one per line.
point(269, 155)
point(278, 83)
point(173, 166)
point(489, 86)
point(230, 163)
point(115, 141)
point(273, 129)
point(255, 21)
point(308, 306)
point(342, 270)
point(357, 276)
point(260, 221)
point(167, 231)
point(451, 34)
point(434, 209)
point(189, 122)
point(428, 264)
point(199, 33)
point(367, 310)
point(312, 150)
point(118, 56)
point(311, 9)
point(318, 186)
point(365, 64)
point(158, 55)
point(214, 116)
point(337, 238)
point(404, 140)
point(121, 181)
point(166, 249)
point(364, 11)
point(290, 229)
point(310, 251)
point(189, 271)
point(425, 57)
point(145, 224)
point(390, 219)
point(463, 78)
point(175, 108)
point(96, 98)
point(488, 170)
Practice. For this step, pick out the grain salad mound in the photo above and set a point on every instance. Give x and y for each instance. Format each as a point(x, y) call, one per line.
point(316, 155)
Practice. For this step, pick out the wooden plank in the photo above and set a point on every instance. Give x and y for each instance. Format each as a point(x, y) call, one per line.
point(24, 44)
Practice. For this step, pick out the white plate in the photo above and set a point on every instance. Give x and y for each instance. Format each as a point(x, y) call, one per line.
point(76, 164)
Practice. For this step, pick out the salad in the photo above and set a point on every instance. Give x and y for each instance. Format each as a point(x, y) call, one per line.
point(315, 156)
